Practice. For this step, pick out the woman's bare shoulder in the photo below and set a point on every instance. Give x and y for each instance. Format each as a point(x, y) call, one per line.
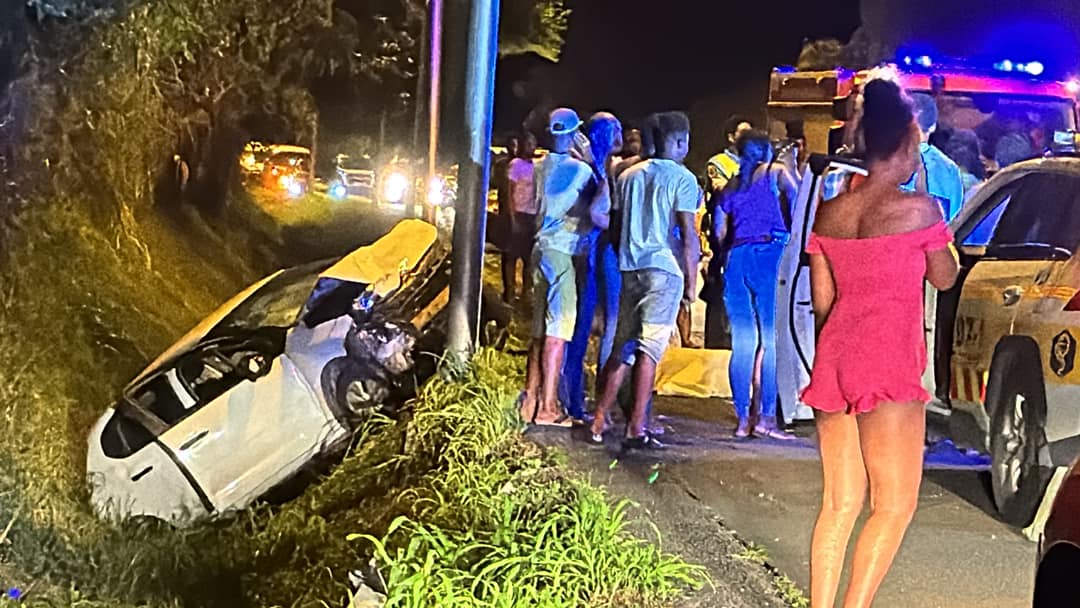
point(916, 211)
point(831, 219)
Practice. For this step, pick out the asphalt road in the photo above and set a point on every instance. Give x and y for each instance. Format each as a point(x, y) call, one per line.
point(956, 554)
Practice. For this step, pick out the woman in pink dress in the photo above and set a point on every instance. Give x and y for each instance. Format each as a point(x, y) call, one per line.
point(869, 254)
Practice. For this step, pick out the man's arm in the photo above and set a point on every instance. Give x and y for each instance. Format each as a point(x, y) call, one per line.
point(691, 253)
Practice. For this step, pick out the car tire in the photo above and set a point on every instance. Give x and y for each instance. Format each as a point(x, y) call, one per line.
point(1017, 437)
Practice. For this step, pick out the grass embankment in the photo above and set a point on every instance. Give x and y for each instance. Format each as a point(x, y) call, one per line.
point(464, 511)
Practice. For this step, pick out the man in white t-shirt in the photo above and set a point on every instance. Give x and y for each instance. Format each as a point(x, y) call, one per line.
point(568, 210)
point(659, 270)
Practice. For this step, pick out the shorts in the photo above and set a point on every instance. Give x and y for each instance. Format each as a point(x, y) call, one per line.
point(554, 295)
point(648, 307)
point(522, 235)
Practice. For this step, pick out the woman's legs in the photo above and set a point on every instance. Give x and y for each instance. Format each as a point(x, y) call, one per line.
point(842, 500)
point(744, 334)
point(891, 437)
point(610, 284)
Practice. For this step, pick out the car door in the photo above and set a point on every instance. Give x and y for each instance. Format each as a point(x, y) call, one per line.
point(252, 435)
point(1015, 282)
point(131, 473)
point(825, 179)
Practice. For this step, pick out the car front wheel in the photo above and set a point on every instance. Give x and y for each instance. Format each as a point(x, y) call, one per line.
point(1016, 438)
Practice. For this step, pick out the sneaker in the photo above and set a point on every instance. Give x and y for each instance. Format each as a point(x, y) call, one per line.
point(645, 442)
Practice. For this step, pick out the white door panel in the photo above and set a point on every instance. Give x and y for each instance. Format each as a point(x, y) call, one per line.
point(146, 482)
point(250, 438)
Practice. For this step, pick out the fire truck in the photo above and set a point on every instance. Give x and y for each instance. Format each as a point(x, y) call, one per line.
point(989, 99)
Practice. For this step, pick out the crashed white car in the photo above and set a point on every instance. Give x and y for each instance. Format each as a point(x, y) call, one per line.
point(279, 375)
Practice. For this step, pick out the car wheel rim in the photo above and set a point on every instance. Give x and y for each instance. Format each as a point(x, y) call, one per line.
point(1014, 436)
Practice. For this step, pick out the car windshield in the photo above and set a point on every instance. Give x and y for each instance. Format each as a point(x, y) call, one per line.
point(290, 159)
point(1009, 128)
point(356, 164)
point(276, 304)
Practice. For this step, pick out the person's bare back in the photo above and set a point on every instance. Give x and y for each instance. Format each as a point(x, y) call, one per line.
point(876, 210)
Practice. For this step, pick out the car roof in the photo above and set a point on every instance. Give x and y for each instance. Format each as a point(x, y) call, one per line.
point(279, 148)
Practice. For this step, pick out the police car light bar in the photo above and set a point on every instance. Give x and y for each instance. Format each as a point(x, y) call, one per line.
point(1033, 68)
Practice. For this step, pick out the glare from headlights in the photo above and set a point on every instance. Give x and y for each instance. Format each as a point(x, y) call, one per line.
point(295, 188)
point(395, 187)
point(436, 194)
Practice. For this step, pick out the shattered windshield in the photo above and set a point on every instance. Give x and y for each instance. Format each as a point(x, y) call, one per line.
point(278, 303)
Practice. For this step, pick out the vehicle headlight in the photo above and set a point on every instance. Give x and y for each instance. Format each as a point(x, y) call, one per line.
point(294, 187)
point(436, 192)
point(339, 191)
point(395, 186)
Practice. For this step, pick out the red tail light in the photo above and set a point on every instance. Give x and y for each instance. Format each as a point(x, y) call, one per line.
point(1073, 305)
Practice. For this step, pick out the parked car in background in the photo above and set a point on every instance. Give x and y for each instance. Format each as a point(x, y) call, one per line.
point(287, 169)
point(355, 176)
point(275, 380)
point(1002, 343)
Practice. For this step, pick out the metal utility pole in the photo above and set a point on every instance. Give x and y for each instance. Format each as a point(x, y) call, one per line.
point(471, 213)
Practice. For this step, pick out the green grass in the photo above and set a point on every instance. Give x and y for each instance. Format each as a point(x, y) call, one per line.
point(501, 523)
point(472, 506)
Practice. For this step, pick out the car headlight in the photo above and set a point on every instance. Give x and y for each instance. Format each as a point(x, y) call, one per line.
point(339, 191)
point(294, 187)
point(395, 186)
point(436, 192)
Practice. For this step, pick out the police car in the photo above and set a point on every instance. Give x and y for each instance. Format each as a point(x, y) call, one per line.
point(1002, 343)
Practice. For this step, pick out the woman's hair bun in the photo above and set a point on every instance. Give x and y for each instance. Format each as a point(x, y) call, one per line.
point(886, 119)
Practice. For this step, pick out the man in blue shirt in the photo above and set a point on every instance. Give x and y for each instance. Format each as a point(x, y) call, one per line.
point(937, 174)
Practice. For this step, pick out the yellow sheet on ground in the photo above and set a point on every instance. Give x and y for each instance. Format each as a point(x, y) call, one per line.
point(694, 372)
point(381, 263)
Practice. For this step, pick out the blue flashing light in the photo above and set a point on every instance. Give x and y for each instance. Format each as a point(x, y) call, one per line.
point(786, 69)
point(924, 61)
point(339, 191)
point(1035, 68)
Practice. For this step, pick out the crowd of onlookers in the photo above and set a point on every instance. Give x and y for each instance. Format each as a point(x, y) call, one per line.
point(610, 226)
point(613, 220)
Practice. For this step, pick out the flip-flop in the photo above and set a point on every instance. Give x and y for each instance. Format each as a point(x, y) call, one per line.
point(772, 433)
point(562, 423)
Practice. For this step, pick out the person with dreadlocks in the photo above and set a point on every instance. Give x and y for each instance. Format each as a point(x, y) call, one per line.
point(753, 200)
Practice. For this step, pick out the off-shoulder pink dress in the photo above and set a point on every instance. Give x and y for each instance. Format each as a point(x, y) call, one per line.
point(872, 349)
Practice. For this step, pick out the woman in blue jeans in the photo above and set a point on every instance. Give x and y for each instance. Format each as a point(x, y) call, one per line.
point(750, 207)
point(598, 277)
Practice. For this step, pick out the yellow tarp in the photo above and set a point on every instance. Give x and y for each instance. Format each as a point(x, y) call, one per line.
point(380, 264)
point(694, 372)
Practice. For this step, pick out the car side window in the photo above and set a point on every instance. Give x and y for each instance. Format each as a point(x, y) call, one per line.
point(981, 234)
point(1043, 213)
point(124, 435)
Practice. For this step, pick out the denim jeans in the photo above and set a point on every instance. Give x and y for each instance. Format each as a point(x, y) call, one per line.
point(599, 282)
point(750, 297)
point(609, 281)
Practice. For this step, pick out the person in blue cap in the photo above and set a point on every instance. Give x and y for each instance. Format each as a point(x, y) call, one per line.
point(571, 204)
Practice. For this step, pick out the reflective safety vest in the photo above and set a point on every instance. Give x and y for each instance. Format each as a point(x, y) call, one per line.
point(724, 165)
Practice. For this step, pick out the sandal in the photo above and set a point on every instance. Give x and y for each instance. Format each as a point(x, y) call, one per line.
point(772, 432)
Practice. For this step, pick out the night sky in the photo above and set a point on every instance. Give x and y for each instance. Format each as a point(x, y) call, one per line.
point(713, 57)
point(708, 57)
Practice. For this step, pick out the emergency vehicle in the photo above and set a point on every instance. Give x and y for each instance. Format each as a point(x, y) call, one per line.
point(985, 99)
